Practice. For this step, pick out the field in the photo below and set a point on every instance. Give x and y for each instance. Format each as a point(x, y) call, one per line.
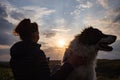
point(106, 70)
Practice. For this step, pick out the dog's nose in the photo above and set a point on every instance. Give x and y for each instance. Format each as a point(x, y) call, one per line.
point(115, 37)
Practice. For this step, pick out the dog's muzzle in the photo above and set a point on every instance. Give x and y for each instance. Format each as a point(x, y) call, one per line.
point(106, 41)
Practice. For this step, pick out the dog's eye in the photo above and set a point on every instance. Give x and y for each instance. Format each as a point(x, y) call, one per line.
point(104, 36)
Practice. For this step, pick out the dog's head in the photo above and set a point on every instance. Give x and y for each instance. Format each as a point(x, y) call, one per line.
point(91, 40)
point(93, 36)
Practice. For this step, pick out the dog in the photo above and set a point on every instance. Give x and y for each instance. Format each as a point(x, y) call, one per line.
point(86, 45)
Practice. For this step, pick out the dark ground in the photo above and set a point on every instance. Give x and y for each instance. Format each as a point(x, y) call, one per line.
point(106, 69)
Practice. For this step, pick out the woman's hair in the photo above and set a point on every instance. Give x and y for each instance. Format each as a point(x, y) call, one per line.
point(25, 29)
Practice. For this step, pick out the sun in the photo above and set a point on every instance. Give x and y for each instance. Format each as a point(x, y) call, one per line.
point(61, 43)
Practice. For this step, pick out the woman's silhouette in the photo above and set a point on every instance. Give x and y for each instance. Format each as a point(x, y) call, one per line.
point(28, 61)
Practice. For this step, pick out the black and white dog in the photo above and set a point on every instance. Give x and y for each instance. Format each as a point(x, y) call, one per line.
point(86, 45)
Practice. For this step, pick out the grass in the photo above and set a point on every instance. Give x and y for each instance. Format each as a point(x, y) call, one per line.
point(106, 70)
point(6, 73)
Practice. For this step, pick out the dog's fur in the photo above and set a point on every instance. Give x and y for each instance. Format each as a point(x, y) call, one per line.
point(86, 45)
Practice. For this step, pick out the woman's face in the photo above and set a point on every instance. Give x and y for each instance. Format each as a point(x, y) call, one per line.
point(35, 36)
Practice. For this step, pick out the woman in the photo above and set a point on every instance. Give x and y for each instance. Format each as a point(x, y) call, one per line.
point(28, 61)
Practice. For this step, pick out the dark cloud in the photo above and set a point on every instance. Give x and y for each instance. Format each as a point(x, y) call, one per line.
point(5, 25)
point(17, 15)
point(117, 18)
point(6, 28)
point(2, 11)
point(114, 27)
point(5, 39)
point(6, 36)
point(4, 51)
point(49, 34)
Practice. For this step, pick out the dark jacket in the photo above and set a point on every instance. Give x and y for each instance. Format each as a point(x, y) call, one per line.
point(28, 62)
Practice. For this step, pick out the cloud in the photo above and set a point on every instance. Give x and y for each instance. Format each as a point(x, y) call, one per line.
point(7, 8)
point(43, 43)
point(105, 24)
point(54, 53)
point(103, 3)
point(4, 46)
point(49, 34)
point(36, 12)
point(86, 5)
point(60, 25)
point(114, 24)
point(5, 57)
point(33, 12)
point(2, 11)
point(58, 28)
point(115, 54)
point(114, 15)
point(15, 14)
point(11, 15)
point(4, 50)
point(60, 21)
point(81, 7)
point(117, 18)
point(6, 36)
point(61, 30)
point(4, 53)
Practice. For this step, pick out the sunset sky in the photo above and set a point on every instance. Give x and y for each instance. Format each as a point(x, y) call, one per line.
point(59, 21)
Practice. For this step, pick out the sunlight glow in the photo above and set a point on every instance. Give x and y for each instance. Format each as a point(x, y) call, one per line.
point(61, 43)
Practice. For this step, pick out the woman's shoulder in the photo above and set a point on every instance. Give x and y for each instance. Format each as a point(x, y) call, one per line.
point(26, 44)
point(17, 44)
